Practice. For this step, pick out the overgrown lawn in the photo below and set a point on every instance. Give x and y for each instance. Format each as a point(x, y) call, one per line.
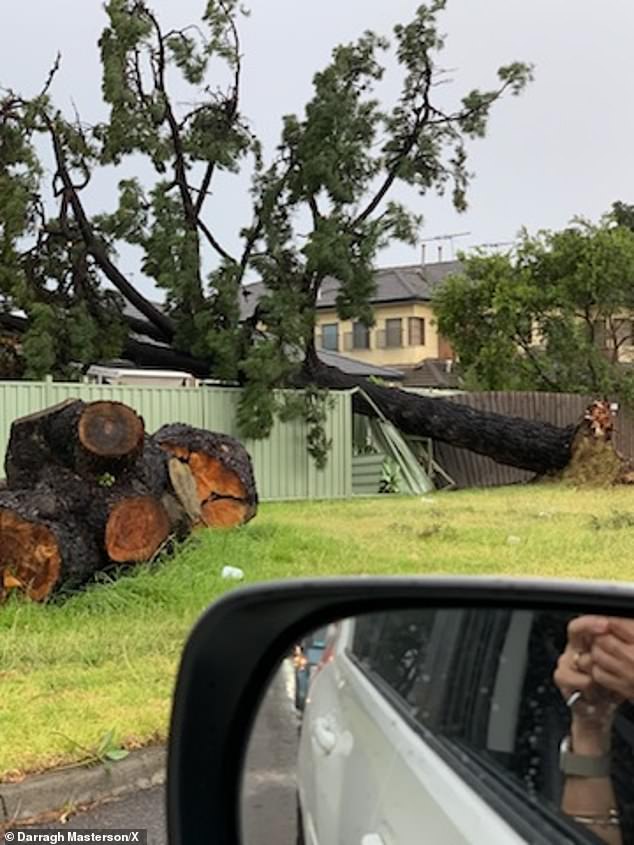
point(105, 660)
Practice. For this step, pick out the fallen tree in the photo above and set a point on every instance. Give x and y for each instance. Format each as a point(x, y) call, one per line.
point(527, 444)
point(531, 445)
point(87, 488)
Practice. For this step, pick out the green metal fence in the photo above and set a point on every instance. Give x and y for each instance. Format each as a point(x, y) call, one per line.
point(283, 468)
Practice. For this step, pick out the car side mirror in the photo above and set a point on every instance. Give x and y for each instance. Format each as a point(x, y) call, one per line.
point(454, 697)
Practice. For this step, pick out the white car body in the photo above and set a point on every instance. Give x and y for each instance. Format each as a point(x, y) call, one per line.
point(367, 777)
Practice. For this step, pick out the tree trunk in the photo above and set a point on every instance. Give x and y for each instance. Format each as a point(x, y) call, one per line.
point(43, 546)
point(535, 446)
point(221, 469)
point(29, 450)
point(136, 526)
point(89, 439)
point(139, 512)
point(139, 352)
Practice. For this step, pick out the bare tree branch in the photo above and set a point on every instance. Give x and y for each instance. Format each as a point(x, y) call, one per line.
point(51, 75)
point(213, 242)
point(97, 249)
point(232, 108)
point(421, 118)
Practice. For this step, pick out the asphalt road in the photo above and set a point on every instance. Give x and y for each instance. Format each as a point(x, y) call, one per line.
point(268, 800)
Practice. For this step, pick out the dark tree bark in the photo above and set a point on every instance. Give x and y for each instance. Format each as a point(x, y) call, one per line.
point(140, 353)
point(164, 357)
point(89, 439)
point(222, 472)
point(535, 446)
point(44, 545)
point(29, 451)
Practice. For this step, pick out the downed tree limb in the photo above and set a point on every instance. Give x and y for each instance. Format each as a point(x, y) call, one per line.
point(527, 444)
point(42, 546)
point(142, 353)
point(89, 439)
point(221, 469)
point(88, 489)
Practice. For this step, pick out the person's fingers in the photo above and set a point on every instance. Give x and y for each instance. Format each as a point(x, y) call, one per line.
point(583, 629)
point(582, 662)
point(568, 678)
point(609, 661)
point(622, 628)
point(615, 684)
point(615, 646)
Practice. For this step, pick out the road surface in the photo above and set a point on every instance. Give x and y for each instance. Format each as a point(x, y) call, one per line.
point(268, 800)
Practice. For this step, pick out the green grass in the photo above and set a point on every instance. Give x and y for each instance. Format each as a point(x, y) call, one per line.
point(106, 659)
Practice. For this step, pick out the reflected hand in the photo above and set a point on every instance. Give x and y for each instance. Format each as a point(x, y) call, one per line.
point(611, 658)
point(587, 661)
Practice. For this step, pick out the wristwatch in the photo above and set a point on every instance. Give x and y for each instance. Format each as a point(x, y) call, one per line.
point(582, 765)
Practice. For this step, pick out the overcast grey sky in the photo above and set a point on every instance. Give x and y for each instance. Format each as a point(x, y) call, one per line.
point(563, 148)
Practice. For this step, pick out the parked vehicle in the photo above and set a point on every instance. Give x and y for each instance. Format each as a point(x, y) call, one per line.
point(306, 659)
point(435, 699)
point(434, 715)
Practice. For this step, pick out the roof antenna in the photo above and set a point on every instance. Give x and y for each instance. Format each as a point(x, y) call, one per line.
point(450, 237)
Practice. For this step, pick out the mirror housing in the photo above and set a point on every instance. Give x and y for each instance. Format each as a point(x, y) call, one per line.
point(237, 645)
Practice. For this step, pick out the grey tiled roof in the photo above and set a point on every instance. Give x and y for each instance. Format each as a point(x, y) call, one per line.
point(409, 283)
point(433, 372)
point(354, 367)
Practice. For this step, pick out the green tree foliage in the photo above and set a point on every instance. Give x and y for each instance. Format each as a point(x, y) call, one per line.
point(553, 314)
point(322, 207)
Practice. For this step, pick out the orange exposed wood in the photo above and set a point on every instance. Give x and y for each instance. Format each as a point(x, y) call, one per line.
point(224, 513)
point(178, 451)
point(110, 429)
point(137, 527)
point(212, 477)
point(29, 557)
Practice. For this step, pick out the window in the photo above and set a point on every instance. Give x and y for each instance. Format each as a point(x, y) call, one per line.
point(394, 646)
point(480, 680)
point(360, 336)
point(477, 686)
point(416, 331)
point(394, 333)
point(330, 337)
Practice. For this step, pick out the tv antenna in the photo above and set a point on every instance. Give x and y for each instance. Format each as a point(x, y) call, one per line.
point(493, 245)
point(450, 237)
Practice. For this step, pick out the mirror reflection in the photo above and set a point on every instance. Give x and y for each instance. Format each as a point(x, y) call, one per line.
point(448, 726)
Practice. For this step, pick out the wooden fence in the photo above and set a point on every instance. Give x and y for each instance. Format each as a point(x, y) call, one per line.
point(468, 469)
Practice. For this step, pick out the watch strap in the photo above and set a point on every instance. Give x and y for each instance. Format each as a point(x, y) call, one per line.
point(582, 765)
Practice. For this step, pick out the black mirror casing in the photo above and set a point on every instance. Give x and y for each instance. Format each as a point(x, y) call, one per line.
point(237, 645)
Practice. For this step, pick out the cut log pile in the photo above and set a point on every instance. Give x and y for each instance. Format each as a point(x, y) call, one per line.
point(86, 488)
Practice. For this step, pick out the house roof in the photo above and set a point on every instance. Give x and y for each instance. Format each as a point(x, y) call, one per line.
point(354, 367)
point(433, 372)
point(408, 283)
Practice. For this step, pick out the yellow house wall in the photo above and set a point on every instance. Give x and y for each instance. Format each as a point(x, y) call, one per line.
point(405, 355)
point(626, 350)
